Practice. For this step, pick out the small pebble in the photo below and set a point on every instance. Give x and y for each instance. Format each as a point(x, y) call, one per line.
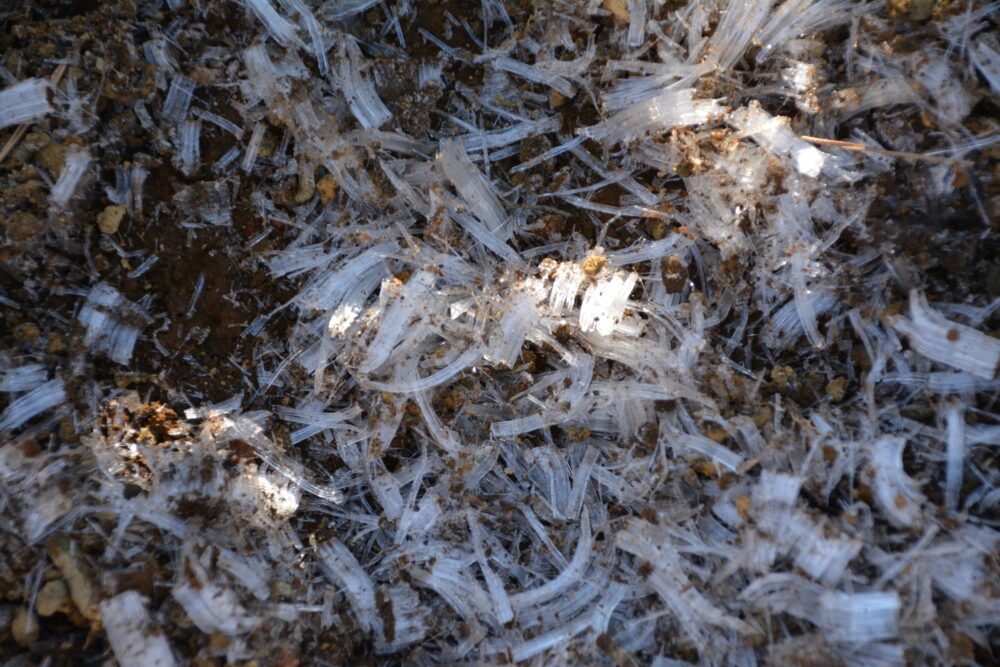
point(327, 187)
point(24, 627)
point(110, 218)
point(52, 597)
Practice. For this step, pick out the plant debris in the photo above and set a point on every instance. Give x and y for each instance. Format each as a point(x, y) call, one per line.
point(625, 332)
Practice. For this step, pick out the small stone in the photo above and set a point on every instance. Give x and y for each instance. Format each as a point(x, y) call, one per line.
point(914, 10)
point(742, 502)
point(963, 651)
point(27, 333)
point(762, 417)
point(657, 228)
point(286, 658)
point(593, 264)
point(110, 218)
point(24, 628)
point(67, 431)
point(306, 190)
point(992, 282)
point(35, 141)
point(327, 187)
point(864, 493)
point(57, 344)
point(717, 433)
point(674, 274)
point(32, 192)
point(705, 468)
point(557, 99)
point(122, 381)
point(837, 387)
point(782, 375)
point(23, 227)
point(53, 158)
point(618, 9)
point(53, 596)
point(554, 224)
point(268, 145)
point(22, 152)
point(66, 556)
point(204, 76)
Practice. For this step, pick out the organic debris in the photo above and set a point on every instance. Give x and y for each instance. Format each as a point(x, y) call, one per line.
point(570, 332)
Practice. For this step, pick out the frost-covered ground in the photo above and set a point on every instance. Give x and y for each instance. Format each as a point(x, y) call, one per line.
point(601, 332)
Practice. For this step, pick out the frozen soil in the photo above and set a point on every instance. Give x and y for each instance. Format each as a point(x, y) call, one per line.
point(135, 494)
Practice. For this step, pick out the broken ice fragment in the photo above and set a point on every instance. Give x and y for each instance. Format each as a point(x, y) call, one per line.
point(470, 183)
point(506, 342)
point(22, 378)
point(263, 79)
point(338, 9)
point(571, 575)
point(672, 108)
point(896, 494)
point(402, 306)
point(695, 613)
point(112, 323)
point(477, 142)
point(467, 358)
point(799, 17)
point(68, 557)
point(359, 90)
point(242, 428)
point(568, 278)
point(277, 26)
point(710, 448)
point(525, 71)
point(637, 22)
point(70, 176)
point(135, 640)
point(952, 100)
point(175, 107)
point(501, 601)
point(42, 398)
point(220, 122)
point(741, 22)
point(212, 606)
point(189, 152)
point(24, 102)
point(604, 303)
point(985, 54)
point(859, 617)
point(938, 338)
point(208, 201)
point(406, 619)
point(955, 453)
point(312, 26)
point(775, 135)
point(253, 146)
point(343, 569)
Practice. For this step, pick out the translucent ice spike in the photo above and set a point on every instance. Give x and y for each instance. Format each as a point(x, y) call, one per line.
point(32, 404)
point(24, 102)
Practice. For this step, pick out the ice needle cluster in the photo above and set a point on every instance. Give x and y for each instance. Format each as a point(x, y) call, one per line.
point(608, 360)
